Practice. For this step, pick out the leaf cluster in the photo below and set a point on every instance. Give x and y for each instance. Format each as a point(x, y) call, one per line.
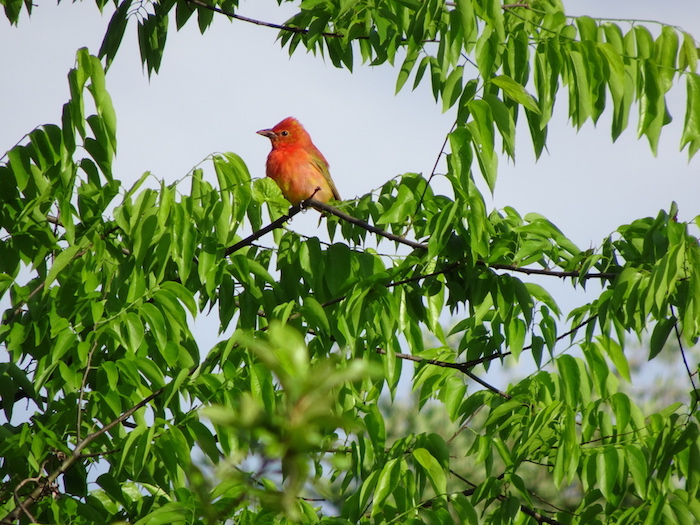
point(114, 398)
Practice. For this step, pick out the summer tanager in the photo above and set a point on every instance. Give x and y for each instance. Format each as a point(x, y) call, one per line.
point(296, 165)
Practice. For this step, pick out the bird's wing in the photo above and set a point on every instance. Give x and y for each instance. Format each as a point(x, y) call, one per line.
point(322, 166)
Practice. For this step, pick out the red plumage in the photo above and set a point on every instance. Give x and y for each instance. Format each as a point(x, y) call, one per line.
point(296, 165)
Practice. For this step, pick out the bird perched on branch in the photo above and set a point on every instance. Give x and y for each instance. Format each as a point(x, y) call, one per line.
point(296, 165)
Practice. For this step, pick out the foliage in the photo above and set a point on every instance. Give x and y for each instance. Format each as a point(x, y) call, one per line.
point(113, 407)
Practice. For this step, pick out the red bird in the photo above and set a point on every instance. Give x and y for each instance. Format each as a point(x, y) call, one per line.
point(296, 165)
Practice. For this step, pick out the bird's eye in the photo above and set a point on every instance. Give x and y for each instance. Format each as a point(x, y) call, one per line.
point(284, 133)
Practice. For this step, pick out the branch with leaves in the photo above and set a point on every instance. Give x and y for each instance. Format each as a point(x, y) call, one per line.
point(109, 322)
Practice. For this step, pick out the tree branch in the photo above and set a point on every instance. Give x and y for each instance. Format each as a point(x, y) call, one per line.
point(551, 273)
point(311, 202)
point(327, 208)
point(685, 362)
point(466, 366)
point(362, 224)
point(487, 385)
point(437, 161)
point(300, 30)
point(526, 510)
point(88, 366)
point(18, 309)
point(272, 226)
point(281, 27)
point(539, 517)
point(38, 492)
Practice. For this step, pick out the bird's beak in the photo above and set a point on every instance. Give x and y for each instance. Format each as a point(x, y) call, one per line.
point(267, 133)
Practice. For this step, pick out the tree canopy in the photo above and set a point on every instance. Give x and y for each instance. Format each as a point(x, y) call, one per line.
point(114, 412)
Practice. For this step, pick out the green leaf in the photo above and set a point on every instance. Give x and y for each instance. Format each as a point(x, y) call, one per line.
point(156, 323)
point(103, 103)
point(483, 140)
point(541, 294)
point(622, 409)
point(144, 237)
point(182, 294)
point(173, 388)
point(452, 88)
point(435, 473)
point(508, 408)
point(616, 80)
point(468, 21)
point(504, 120)
point(60, 263)
point(607, 465)
point(516, 92)
point(571, 379)
point(660, 335)
point(152, 34)
point(142, 449)
point(20, 165)
point(315, 314)
point(666, 51)
point(487, 51)
point(691, 126)
point(149, 370)
point(402, 207)
point(115, 32)
point(580, 103)
point(688, 57)
point(134, 331)
point(652, 106)
point(75, 480)
point(183, 12)
point(588, 28)
point(386, 483)
point(126, 451)
point(170, 513)
point(442, 229)
point(616, 354)
point(425, 61)
point(464, 509)
point(406, 68)
point(656, 510)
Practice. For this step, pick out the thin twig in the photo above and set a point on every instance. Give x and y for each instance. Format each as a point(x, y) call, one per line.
point(21, 304)
point(437, 161)
point(464, 425)
point(82, 389)
point(281, 27)
point(445, 364)
point(294, 210)
point(685, 362)
point(551, 273)
point(487, 385)
point(22, 506)
point(538, 516)
point(526, 510)
point(299, 30)
point(76, 455)
point(365, 225)
point(101, 454)
point(466, 366)
point(272, 226)
point(53, 220)
point(421, 246)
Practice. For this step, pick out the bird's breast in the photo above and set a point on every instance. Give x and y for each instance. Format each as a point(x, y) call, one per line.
point(297, 175)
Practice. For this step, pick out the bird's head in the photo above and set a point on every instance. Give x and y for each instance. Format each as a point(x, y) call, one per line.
point(288, 132)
